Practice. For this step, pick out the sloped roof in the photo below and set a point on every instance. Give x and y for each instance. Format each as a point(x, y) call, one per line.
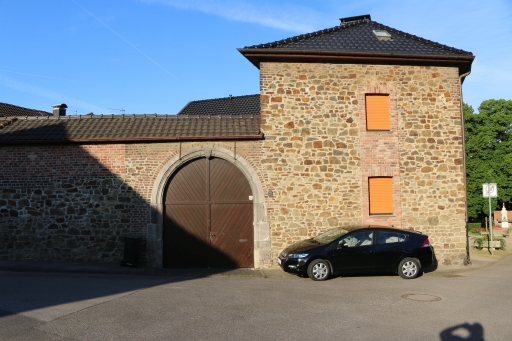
point(232, 105)
point(356, 40)
point(9, 110)
point(119, 128)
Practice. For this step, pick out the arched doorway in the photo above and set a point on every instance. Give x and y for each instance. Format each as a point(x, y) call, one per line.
point(208, 216)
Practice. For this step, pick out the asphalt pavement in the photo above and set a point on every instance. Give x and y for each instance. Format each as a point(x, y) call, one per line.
point(77, 301)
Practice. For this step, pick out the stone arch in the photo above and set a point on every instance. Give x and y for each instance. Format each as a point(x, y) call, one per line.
point(155, 228)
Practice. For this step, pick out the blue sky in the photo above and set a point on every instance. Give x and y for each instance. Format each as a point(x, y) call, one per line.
point(153, 56)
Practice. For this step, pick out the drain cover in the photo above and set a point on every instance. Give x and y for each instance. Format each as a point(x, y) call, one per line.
point(422, 297)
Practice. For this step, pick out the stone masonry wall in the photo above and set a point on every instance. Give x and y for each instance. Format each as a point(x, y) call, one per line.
point(64, 203)
point(317, 166)
point(78, 202)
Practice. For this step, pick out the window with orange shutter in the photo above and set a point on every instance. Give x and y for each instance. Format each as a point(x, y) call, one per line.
point(381, 195)
point(377, 112)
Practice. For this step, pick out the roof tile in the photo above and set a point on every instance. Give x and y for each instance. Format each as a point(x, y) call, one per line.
point(94, 128)
point(357, 36)
point(232, 105)
point(9, 110)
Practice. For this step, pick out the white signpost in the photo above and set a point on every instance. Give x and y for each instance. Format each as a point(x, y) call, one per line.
point(490, 191)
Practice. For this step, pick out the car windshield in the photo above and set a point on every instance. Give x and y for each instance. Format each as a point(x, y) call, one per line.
point(330, 235)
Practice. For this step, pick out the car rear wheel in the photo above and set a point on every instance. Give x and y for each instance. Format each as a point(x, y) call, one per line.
point(319, 270)
point(409, 268)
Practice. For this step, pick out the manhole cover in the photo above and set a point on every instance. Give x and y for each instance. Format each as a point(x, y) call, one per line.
point(422, 297)
point(453, 276)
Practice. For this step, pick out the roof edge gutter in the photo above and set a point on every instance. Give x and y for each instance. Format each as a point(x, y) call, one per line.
point(257, 56)
point(355, 54)
point(141, 139)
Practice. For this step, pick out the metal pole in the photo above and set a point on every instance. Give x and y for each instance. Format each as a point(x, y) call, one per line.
point(467, 261)
point(491, 244)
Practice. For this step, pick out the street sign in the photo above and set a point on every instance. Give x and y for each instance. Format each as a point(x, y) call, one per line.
point(490, 190)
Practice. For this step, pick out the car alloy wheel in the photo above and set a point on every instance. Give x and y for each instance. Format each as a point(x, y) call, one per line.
point(409, 268)
point(319, 270)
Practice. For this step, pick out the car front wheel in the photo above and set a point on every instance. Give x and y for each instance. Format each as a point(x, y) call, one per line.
point(319, 270)
point(409, 268)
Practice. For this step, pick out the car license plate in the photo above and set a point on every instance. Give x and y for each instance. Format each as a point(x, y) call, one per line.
point(279, 261)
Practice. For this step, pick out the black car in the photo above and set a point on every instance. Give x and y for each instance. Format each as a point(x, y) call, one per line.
point(363, 250)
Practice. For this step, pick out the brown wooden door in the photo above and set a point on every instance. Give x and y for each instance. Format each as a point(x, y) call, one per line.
point(232, 235)
point(208, 217)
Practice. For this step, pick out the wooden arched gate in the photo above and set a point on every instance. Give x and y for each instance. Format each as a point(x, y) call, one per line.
point(208, 218)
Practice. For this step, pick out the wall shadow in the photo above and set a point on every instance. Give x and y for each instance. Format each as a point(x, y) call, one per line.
point(67, 202)
point(463, 332)
point(185, 250)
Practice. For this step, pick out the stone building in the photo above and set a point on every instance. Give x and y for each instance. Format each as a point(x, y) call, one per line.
point(356, 125)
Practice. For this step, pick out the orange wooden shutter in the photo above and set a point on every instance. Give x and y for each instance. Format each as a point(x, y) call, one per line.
point(377, 112)
point(381, 195)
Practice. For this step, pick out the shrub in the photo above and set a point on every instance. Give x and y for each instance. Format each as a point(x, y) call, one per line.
point(478, 243)
point(475, 228)
point(483, 241)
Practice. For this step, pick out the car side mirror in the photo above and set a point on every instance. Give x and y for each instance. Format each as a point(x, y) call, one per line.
point(342, 244)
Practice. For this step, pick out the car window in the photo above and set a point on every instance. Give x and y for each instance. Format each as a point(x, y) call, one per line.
point(391, 237)
point(362, 238)
point(330, 235)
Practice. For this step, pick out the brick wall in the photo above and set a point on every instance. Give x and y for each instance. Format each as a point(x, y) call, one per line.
point(379, 155)
point(318, 154)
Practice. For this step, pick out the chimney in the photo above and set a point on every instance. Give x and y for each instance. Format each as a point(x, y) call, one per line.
point(59, 109)
point(358, 17)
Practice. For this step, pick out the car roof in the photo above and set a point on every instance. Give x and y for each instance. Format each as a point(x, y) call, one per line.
point(384, 228)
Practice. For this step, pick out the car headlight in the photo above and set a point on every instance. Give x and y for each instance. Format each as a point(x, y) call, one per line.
point(297, 255)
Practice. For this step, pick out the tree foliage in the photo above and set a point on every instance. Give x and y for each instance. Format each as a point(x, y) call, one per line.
point(488, 154)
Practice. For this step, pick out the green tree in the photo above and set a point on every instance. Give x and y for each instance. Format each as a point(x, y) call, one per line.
point(488, 154)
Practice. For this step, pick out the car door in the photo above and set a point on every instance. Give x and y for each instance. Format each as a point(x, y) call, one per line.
point(355, 253)
point(389, 248)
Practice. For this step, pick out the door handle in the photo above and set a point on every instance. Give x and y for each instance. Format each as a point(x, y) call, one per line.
point(367, 252)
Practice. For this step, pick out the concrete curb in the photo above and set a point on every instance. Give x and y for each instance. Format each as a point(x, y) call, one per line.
point(477, 262)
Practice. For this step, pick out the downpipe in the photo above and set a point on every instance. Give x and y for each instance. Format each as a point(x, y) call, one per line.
point(467, 260)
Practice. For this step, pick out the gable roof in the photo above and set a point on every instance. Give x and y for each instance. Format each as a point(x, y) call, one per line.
point(9, 110)
point(132, 128)
point(356, 41)
point(232, 105)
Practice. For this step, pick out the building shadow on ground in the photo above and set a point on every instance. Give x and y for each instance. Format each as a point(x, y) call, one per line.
point(68, 203)
point(463, 332)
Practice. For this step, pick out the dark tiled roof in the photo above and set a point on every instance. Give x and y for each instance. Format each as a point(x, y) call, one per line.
point(9, 110)
point(358, 36)
point(233, 105)
point(356, 40)
point(128, 128)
